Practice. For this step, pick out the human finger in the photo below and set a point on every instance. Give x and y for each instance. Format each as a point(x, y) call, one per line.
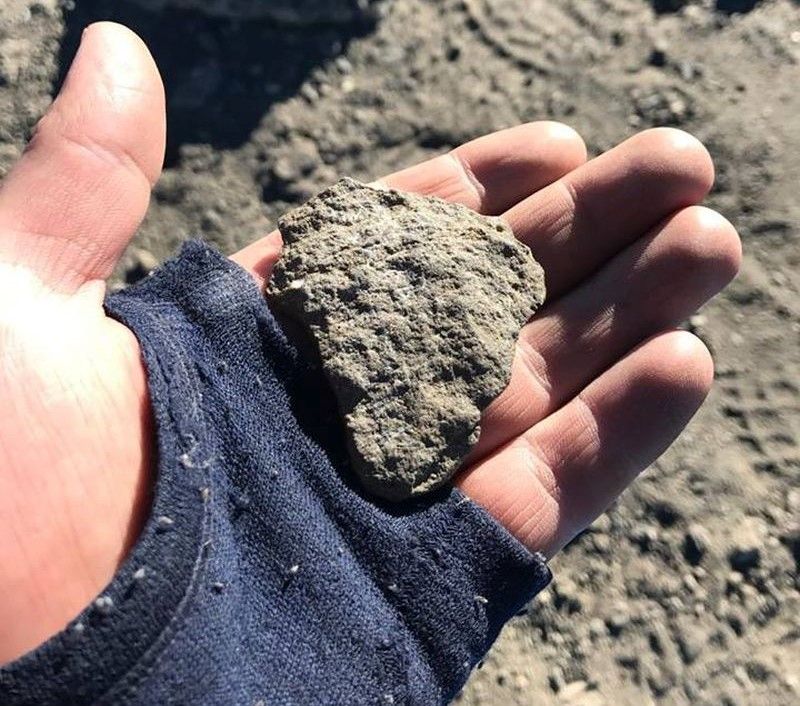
point(652, 285)
point(70, 205)
point(579, 222)
point(552, 480)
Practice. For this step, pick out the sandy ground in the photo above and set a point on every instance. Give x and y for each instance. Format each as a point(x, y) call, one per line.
point(686, 592)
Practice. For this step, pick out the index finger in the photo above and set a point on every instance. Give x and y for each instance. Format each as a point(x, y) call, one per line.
point(489, 174)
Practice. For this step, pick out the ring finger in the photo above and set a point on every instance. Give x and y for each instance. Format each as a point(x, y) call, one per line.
point(651, 286)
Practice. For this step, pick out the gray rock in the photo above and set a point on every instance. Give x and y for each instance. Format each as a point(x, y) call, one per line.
point(747, 539)
point(646, 536)
point(573, 690)
point(597, 628)
point(618, 620)
point(790, 538)
point(602, 524)
point(415, 305)
point(691, 642)
point(696, 543)
point(299, 13)
point(737, 619)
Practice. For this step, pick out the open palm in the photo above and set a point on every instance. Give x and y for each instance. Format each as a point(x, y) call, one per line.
point(601, 383)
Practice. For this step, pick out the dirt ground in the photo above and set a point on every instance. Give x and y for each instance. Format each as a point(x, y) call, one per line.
point(687, 590)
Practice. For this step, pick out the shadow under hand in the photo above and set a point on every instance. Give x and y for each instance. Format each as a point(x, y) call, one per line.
point(221, 74)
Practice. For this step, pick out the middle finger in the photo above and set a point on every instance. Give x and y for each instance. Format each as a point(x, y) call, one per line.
point(579, 222)
point(651, 286)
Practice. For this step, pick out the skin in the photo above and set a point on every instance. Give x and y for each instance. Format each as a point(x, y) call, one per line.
point(628, 254)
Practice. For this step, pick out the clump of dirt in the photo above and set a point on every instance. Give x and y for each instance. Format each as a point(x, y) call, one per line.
point(415, 305)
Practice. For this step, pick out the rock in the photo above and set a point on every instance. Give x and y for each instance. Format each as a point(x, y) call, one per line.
point(601, 524)
point(790, 538)
point(734, 582)
point(691, 641)
point(572, 690)
point(746, 542)
point(601, 543)
point(590, 698)
point(737, 619)
point(556, 679)
point(697, 322)
point(597, 628)
point(645, 536)
point(298, 13)
point(628, 658)
point(696, 542)
point(568, 595)
point(689, 70)
point(618, 620)
point(663, 106)
point(142, 263)
point(690, 584)
point(415, 305)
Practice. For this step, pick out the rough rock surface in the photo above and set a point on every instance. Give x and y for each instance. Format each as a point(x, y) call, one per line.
point(415, 304)
point(291, 12)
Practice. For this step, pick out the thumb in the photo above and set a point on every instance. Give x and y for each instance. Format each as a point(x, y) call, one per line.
point(75, 198)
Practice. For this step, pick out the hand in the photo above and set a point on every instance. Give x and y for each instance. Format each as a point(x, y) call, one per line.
point(601, 384)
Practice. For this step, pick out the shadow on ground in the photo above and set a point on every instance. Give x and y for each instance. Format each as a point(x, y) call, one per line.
point(221, 75)
point(725, 6)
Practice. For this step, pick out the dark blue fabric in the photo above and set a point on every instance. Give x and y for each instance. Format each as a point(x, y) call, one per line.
point(263, 576)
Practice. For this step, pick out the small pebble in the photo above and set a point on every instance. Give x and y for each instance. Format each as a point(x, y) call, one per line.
point(597, 628)
point(617, 622)
point(573, 689)
point(601, 524)
point(697, 321)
